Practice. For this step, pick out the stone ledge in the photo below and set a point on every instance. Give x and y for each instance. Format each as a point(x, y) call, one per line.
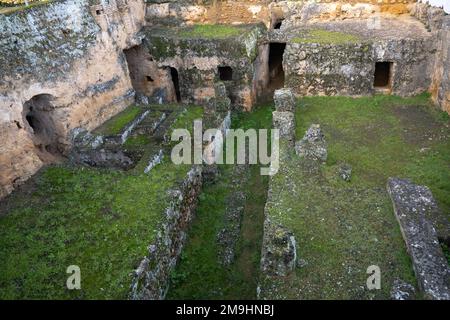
point(412, 205)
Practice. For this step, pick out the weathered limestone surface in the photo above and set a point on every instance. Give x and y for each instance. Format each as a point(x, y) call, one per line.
point(402, 290)
point(440, 87)
point(312, 146)
point(151, 278)
point(284, 100)
point(268, 11)
point(62, 51)
point(197, 59)
point(341, 59)
point(285, 122)
point(279, 252)
point(191, 12)
point(413, 207)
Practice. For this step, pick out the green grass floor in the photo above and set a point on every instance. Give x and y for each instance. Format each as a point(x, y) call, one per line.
point(101, 220)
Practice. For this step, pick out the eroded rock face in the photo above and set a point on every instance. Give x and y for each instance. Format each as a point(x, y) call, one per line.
point(312, 146)
point(284, 100)
point(285, 122)
point(63, 51)
point(227, 12)
point(414, 206)
point(279, 253)
point(440, 87)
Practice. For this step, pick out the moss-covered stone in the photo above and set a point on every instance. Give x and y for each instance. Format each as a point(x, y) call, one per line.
point(325, 36)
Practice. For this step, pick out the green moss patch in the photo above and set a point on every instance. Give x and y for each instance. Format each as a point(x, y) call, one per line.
point(325, 37)
point(117, 124)
point(100, 220)
point(137, 141)
point(211, 31)
point(186, 118)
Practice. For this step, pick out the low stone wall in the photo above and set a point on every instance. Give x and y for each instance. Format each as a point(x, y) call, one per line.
point(279, 251)
point(152, 276)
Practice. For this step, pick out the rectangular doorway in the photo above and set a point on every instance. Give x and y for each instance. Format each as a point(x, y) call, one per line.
point(276, 72)
point(383, 75)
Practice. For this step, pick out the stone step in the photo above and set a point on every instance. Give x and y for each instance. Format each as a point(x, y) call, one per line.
point(413, 206)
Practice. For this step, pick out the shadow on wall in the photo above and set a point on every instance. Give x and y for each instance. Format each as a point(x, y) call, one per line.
point(176, 83)
point(38, 115)
point(276, 72)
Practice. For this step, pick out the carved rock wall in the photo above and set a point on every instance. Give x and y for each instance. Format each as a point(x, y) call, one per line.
point(72, 53)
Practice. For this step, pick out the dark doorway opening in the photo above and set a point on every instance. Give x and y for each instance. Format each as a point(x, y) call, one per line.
point(38, 114)
point(149, 78)
point(382, 77)
point(176, 82)
point(225, 73)
point(278, 23)
point(276, 72)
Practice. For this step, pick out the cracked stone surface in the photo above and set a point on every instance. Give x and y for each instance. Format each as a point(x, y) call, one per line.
point(284, 100)
point(413, 205)
point(312, 145)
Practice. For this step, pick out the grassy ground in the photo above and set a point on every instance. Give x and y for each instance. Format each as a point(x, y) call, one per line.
point(341, 228)
point(325, 36)
point(117, 124)
point(211, 31)
point(384, 136)
point(100, 220)
point(199, 274)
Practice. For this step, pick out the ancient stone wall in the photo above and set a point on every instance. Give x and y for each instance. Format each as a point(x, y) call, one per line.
point(328, 69)
point(198, 62)
point(64, 59)
point(348, 69)
point(268, 12)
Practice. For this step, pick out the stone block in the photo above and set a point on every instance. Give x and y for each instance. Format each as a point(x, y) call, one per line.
point(412, 205)
point(285, 122)
point(312, 146)
point(284, 100)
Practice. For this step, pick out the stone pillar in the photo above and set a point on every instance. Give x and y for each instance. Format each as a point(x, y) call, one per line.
point(216, 116)
point(283, 118)
point(284, 100)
